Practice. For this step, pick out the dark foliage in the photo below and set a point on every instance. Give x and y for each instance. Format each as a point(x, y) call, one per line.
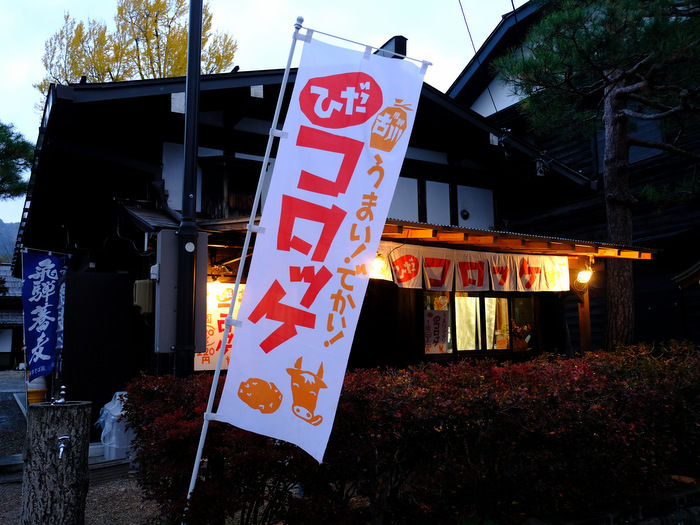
point(438, 444)
point(16, 156)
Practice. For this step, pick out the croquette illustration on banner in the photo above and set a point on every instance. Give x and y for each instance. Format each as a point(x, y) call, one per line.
point(258, 394)
point(340, 153)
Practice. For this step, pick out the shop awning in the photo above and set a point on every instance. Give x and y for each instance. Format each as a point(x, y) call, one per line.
point(506, 242)
point(436, 235)
point(151, 220)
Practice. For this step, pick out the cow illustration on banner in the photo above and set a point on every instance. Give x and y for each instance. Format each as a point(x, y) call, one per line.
point(344, 140)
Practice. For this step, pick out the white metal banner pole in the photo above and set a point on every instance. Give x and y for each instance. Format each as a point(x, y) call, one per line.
point(229, 322)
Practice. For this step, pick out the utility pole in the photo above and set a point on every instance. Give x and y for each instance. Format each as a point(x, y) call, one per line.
point(187, 231)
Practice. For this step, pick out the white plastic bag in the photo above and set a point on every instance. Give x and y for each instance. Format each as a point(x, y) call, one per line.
point(115, 436)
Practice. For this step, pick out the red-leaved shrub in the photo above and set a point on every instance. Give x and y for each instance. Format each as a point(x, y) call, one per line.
point(437, 443)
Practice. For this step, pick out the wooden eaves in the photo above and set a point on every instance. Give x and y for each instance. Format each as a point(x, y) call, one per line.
point(506, 242)
point(444, 236)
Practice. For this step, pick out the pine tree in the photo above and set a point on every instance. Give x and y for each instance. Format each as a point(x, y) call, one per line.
point(592, 64)
point(16, 156)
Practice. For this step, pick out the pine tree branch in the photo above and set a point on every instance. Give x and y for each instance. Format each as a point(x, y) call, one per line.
point(653, 116)
point(634, 141)
point(665, 111)
point(676, 58)
point(630, 89)
point(691, 11)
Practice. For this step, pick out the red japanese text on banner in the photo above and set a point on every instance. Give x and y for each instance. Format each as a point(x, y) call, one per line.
point(438, 268)
point(472, 272)
point(219, 298)
point(406, 266)
point(347, 130)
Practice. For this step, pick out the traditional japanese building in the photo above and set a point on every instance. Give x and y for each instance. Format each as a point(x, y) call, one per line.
point(106, 190)
point(10, 320)
point(667, 295)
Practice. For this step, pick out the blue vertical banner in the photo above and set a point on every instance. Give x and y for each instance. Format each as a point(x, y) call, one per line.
point(40, 297)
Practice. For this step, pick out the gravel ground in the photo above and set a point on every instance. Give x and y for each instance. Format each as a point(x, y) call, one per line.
point(116, 502)
point(13, 425)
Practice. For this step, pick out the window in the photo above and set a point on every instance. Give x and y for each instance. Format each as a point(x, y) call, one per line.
point(468, 325)
point(475, 208)
point(472, 333)
point(523, 323)
point(436, 322)
point(434, 202)
point(404, 205)
point(437, 202)
point(480, 322)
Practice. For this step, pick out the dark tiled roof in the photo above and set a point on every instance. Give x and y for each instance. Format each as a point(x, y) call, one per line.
point(14, 284)
point(10, 318)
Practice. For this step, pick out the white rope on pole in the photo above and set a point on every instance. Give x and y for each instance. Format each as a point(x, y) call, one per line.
point(229, 322)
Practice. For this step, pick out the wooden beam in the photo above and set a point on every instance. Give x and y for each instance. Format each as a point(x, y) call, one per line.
point(481, 239)
point(563, 247)
point(450, 236)
point(420, 233)
point(629, 254)
point(511, 243)
point(390, 229)
point(538, 245)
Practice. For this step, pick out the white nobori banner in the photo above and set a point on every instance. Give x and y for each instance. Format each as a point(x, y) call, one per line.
point(343, 144)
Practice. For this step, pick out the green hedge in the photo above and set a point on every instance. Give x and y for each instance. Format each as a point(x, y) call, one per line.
point(437, 443)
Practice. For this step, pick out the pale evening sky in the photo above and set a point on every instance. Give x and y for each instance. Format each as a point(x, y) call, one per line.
point(436, 32)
